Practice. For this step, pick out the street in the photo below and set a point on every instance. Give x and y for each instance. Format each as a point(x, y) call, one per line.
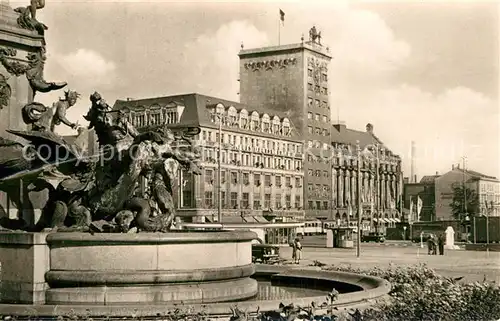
point(473, 266)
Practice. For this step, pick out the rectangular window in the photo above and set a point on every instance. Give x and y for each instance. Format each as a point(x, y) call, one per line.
point(234, 200)
point(267, 201)
point(297, 201)
point(256, 179)
point(209, 199)
point(246, 180)
point(223, 199)
point(186, 198)
point(318, 205)
point(310, 205)
point(325, 119)
point(288, 201)
point(256, 201)
point(278, 201)
point(309, 102)
point(267, 180)
point(309, 129)
point(234, 178)
point(316, 103)
point(209, 176)
point(288, 182)
point(244, 201)
point(223, 177)
point(309, 115)
point(316, 117)
point(325, 205)
point(278, 181)
point(297, 182)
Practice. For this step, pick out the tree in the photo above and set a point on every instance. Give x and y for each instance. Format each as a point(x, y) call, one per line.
point(457, 203)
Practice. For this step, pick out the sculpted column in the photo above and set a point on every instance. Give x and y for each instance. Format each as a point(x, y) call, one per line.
point(354, 178)
point(334, 188)
point(340, 189)
point(347, 187)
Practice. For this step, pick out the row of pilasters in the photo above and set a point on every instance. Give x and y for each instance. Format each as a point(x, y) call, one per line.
point(344, 188)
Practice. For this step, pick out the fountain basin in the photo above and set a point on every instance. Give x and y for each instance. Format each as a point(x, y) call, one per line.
point(106, 269)
point(146, 274)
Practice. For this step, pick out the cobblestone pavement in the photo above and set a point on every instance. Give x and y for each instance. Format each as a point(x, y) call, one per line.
point(474, 266)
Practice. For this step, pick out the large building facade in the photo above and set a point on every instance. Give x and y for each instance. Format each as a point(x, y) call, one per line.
point(487, 190)
point(293, 79)
point(379, 178)
point(261, 158)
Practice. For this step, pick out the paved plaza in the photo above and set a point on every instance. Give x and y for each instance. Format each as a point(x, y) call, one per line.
point(472, 265)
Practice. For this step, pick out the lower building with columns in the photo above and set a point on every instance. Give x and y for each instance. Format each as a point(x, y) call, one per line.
point(261, 158)
point(380, 178)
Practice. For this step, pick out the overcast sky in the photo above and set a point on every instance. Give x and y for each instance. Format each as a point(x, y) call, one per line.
point(426, 72)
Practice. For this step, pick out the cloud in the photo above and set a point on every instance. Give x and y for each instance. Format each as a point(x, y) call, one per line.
point(216, 69)
point(84, 70)
point(86, 63)
point(444, 126)
point(84, 67)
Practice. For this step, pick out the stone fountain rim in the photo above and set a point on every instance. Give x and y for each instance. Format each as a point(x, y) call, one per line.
point(173, 237)
point(374, 289)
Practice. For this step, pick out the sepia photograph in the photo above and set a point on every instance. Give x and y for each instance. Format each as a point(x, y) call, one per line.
point(249, 160)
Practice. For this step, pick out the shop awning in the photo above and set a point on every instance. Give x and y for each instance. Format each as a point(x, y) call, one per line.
point(260, 219)
point(233, 219)
point(397, 220)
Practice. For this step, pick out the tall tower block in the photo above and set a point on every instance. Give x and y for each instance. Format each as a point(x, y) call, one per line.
point(293, 79)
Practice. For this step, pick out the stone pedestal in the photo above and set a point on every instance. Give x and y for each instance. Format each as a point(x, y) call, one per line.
point(24, 259)
point(16, 44)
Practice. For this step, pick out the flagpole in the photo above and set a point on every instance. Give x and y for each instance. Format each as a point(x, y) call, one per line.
point(279, 31)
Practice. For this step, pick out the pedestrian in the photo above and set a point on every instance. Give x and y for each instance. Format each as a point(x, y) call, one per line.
point(429, 245)
point(298, 251)
point(441, 244)
point(294, 250)
point(434, 244)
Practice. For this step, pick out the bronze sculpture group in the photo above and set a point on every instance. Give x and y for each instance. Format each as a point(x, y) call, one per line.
point(96, 193)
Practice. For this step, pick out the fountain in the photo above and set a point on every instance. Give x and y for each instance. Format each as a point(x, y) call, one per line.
point(99, 244)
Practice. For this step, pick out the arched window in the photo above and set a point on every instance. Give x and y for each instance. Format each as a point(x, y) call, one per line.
point(219, 112)
point(285, 127)
point(255, 121)
point(276, 125)
point(244, 119)
point(266, 123)
point(232, 115)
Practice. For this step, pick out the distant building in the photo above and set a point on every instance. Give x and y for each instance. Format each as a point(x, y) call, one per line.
point(381, 177)
point(486, 187)
point(425, 190)
point(261, 156)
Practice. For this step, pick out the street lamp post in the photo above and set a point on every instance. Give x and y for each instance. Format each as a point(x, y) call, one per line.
point(358, 192)
point(464, 188)
point(219, 175)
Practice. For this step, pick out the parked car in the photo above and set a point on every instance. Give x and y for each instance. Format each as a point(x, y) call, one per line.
point(265, 253)
point(425, 237)
point(373, 237)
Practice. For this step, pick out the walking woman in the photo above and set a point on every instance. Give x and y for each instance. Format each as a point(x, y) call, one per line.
point(298, 250)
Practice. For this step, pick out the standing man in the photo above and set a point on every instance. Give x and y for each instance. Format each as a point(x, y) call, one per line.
point(441, 244)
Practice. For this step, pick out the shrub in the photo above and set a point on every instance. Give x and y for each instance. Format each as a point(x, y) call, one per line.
point(420, 294)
